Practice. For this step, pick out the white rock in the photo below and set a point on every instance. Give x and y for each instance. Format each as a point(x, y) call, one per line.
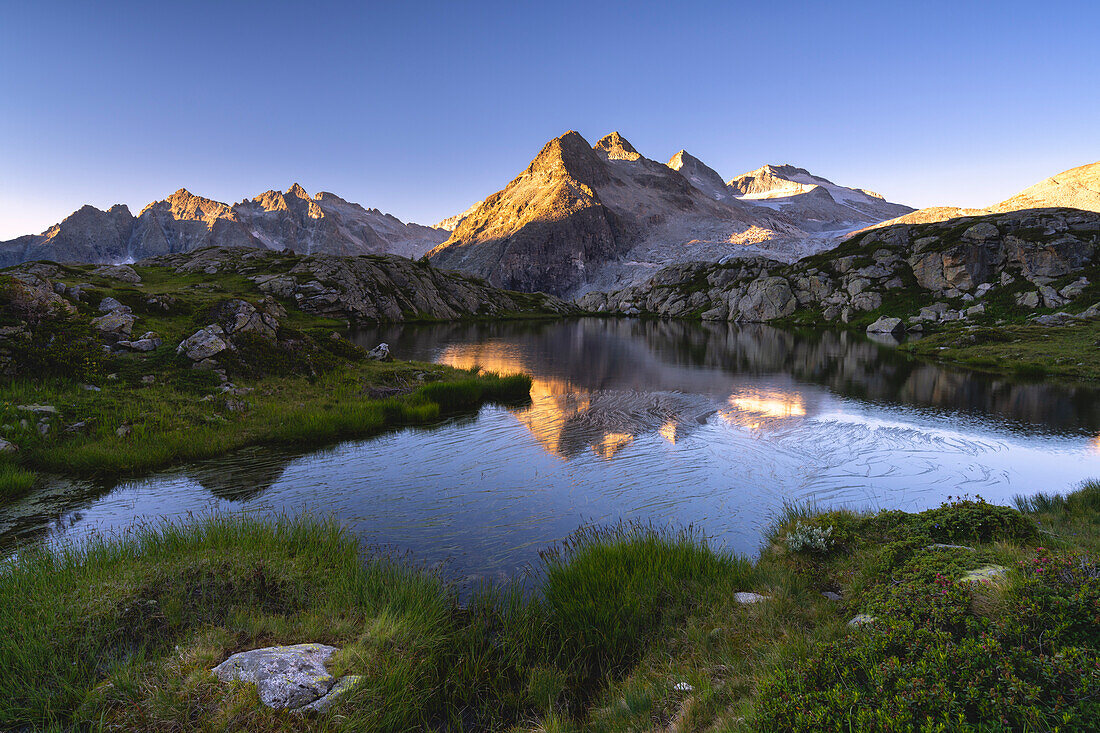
point(886, 324)
point(203, 344)
point(987, 574)
point(285, 676)
point(747, 598)
point(862, 619)
point(381, 352)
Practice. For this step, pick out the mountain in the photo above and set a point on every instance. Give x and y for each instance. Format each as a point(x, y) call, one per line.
point(451, 222)
point(289, 220)
point(816, 203)
point(583, 218)
point(1077, 188)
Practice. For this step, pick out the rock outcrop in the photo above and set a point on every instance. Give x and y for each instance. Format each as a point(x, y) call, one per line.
point(365, 288)
point(47, 304)
point(1041, 258)
point(291, 220)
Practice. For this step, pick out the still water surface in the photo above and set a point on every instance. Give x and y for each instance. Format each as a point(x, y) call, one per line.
point(674, 423)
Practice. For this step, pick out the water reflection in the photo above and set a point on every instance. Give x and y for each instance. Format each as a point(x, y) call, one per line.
point(709, 424)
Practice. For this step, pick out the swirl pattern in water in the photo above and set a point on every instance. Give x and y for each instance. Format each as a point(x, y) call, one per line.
point(674, 423)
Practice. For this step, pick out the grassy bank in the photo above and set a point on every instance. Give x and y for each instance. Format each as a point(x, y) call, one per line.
point(1069, 352)
point(629, 628)
point(129, 426)
point(73, 401)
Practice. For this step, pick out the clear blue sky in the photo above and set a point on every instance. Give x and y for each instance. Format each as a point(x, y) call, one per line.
point(421, 108)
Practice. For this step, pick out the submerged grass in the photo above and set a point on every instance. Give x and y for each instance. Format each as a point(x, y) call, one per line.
point(621, 629)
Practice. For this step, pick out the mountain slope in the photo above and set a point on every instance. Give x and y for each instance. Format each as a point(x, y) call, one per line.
point(582, 215)
point(290, 220)
point(816, 203)
point(1077, 188)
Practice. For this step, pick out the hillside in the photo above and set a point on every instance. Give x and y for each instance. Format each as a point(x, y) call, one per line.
point(1077, 188)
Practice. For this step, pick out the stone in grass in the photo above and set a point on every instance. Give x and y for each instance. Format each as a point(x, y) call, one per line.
point(285, 676)
point(204, 343)
point(381, 352)
point(342, 687)
point(941, 546)
point(862, 619)
point(7, 446)
point(748, 598)
point(987, 574)
point(832, 596)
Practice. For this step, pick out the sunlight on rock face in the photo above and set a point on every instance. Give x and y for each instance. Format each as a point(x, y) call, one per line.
point(755, 410)
point(612, 443)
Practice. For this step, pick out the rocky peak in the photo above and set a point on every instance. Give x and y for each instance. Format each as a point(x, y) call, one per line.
point(571, 154)
point(298, 192)
point(699, 174)
point(617, 147)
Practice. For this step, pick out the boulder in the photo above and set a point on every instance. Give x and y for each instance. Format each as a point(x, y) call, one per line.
point(1074, 289)
point(862, 619)
point(1050, 296)
point(381, 352)
point(123, 273)
point(886, 324)
point(1028, 300)
point(7, 446)
point(987, 574)
point(749, 598)
point(115, 323)
point(110, 305)
point(204, 343)
point(240, 317)
point(342, 687)
point(975, 310)
point(285, 676)
point(766, 299)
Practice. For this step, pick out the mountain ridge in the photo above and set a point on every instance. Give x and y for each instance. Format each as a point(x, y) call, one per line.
point(289, 220)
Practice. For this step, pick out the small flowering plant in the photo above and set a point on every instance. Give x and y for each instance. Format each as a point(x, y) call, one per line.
point(808, 538)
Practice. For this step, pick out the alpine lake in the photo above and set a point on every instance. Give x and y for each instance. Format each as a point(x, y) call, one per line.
point(713, 426)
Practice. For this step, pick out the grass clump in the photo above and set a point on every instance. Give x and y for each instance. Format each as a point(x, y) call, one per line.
point(14, 481)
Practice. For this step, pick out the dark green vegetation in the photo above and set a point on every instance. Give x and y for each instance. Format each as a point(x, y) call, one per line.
point(626, 629)
point(70, 406)
point(1068, 352)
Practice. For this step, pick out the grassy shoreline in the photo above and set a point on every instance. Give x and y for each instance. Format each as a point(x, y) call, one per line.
point(127, 429)
point(627, 628)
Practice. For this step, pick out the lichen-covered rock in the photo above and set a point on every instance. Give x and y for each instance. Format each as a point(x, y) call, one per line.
point(285, 676)
point(204, 343)
point(115, 323)
point(381, 352)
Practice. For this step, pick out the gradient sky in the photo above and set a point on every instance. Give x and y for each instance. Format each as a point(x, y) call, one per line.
point(422, 108)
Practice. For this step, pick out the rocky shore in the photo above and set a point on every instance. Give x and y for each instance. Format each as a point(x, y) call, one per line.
point(1037, 262)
